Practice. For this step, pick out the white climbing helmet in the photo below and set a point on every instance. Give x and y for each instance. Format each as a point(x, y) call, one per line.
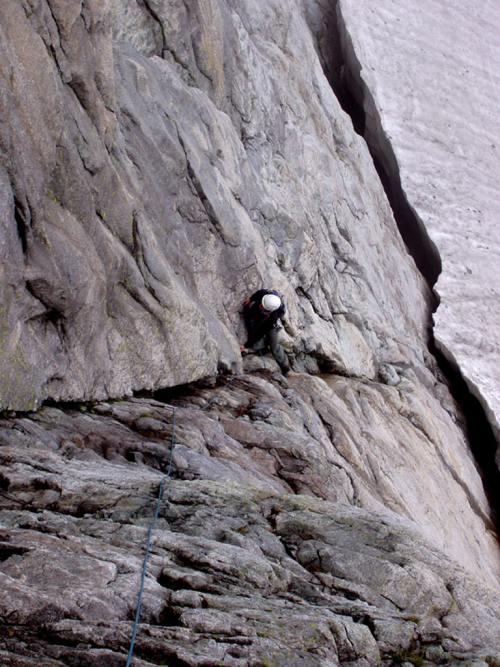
point(271, 302)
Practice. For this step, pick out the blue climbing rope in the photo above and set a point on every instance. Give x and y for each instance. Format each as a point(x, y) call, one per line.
point(165, 477)
point(143, 576)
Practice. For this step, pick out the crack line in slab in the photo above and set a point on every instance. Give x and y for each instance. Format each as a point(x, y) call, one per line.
point(343, 71)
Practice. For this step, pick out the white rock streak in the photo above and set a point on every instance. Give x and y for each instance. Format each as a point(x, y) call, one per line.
point(433, 68)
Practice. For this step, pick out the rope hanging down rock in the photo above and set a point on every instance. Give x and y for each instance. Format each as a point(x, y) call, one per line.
point(150, 531)
point(160, 492)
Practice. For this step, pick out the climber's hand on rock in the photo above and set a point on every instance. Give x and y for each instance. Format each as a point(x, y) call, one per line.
point(246, 301)
point(242, 348)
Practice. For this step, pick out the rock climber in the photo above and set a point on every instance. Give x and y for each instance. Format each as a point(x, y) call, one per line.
point(261, 313)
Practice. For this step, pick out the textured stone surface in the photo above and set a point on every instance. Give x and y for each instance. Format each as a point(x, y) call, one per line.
point(238, 575)
point(159, 161)
point(342, 440)
point(160, 191)
point(432, 70)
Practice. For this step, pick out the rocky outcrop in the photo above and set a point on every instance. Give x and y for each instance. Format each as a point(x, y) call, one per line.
point(160, 161)
point(241, 571)
point(161, 190)
point(438, 138)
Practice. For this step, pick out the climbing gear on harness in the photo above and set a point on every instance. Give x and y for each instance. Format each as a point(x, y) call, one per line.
point(271, 302)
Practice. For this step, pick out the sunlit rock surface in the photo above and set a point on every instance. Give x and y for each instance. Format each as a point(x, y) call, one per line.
point(433, 73)
point(159, 161)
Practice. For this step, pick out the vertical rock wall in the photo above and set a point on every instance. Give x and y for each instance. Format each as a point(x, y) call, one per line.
point(163, 160)
point(159, 161)
point(430, 71)
point(145, 195)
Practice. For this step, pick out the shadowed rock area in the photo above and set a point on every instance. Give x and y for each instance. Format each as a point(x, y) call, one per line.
point(160, 161)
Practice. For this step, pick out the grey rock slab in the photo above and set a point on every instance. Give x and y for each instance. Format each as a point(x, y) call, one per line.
point(328, 436)
point(344, 440)
point(207, 597)
point(432, 73)
point(229, 563)
point(162, 190)
point(159, 162)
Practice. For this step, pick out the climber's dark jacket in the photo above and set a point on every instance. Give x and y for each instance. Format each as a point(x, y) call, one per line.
point(259, 322)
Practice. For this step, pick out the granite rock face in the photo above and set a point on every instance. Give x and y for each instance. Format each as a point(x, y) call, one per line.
point(436, 105)
point(156, 192)
point(242, 571)
point(160, 160)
